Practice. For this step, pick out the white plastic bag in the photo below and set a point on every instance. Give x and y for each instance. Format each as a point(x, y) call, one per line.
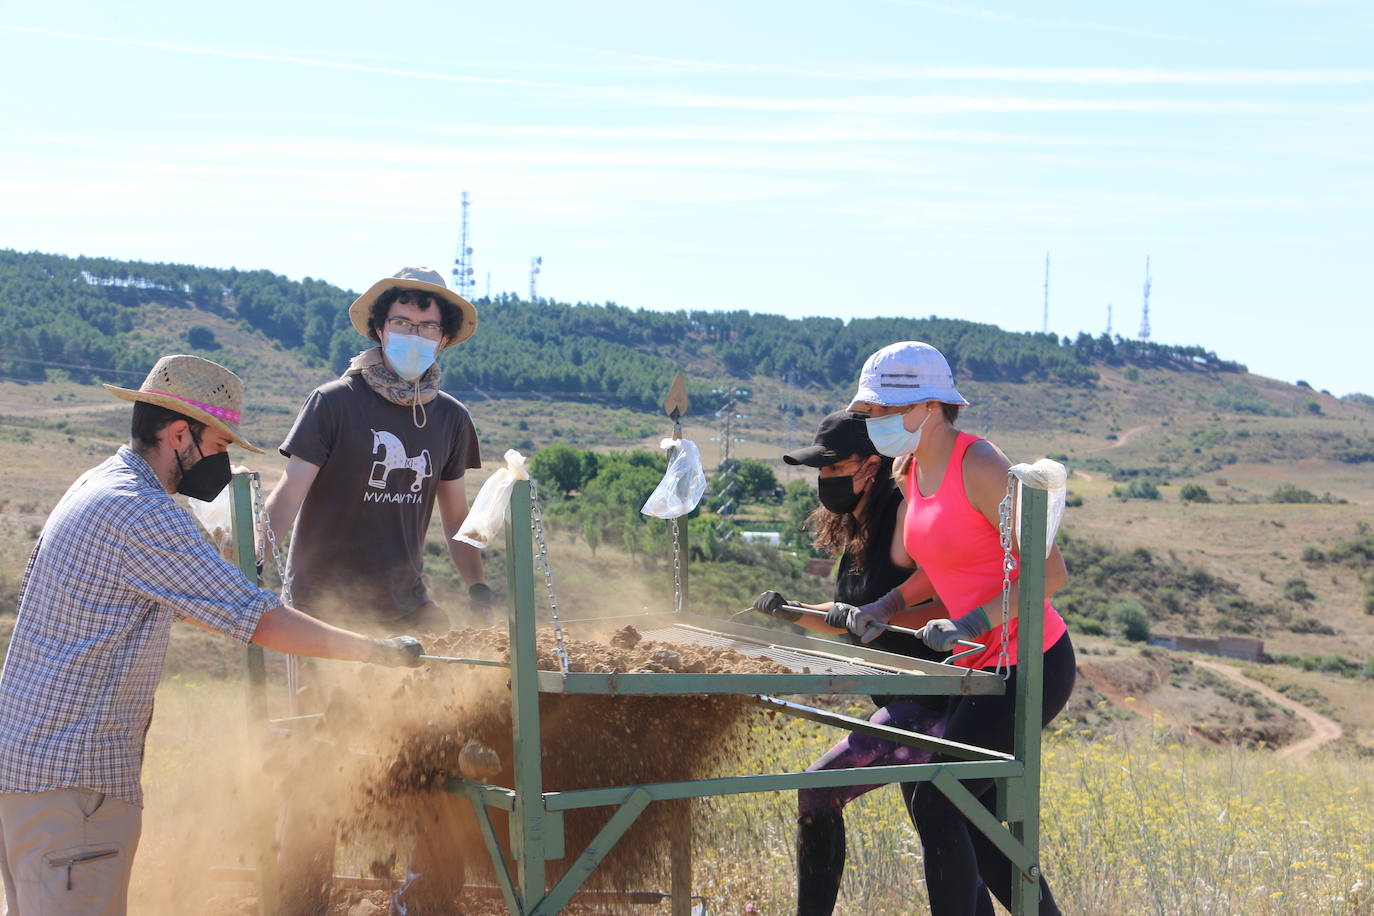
point(1044, 475)
point(214, 516)
point(682, 485)
point(488, 513)
point(217, 518)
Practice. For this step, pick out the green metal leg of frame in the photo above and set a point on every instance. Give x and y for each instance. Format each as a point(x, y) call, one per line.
point(1024, 805)
point(255, 667)
point(680, 861)
point(498, 858)
point(528, 845)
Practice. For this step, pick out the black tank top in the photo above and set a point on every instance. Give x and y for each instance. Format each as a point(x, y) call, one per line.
point(880, 575)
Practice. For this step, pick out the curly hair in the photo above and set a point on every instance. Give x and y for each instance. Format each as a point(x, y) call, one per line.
point(449, 317)
point(838, 534)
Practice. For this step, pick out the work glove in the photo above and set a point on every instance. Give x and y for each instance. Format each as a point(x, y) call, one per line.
point(867, 620)
point(480, 596)
point(771, 603)
point(943, 634)
point(396, 652)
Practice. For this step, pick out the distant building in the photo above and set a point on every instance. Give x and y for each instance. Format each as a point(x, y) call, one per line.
point(771, 538)
point(820, 567)
point(1246, 648)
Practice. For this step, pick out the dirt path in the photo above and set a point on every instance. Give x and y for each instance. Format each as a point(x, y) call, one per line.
point(1121, 440)
point(1324, 730)
point(1142, 707)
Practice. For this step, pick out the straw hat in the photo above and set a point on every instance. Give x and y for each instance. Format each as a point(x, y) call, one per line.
point(422, 278)
point(197, 388)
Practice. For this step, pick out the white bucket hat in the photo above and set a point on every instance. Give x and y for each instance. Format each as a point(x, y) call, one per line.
point(909, 372)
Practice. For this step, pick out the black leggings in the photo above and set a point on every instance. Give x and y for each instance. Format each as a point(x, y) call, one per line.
point(957, 854)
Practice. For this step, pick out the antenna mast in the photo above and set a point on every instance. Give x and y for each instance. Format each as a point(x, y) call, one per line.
point(463, 280)
point(535, 264)
point(1109, 319)
point(1046, 326)
point(1145, 315)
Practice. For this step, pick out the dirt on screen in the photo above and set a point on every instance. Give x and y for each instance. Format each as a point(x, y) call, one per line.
point(371, 769)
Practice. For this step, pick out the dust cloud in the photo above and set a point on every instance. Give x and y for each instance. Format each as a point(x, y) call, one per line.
point(364, 781)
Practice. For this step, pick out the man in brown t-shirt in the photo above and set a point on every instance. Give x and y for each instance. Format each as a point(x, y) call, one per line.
point(370, 455)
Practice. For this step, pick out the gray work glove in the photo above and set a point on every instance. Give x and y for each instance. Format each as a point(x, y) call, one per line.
point(480, 596)
point(396, 652)
point(866, 621)
point(943, 634)
point(771, 603)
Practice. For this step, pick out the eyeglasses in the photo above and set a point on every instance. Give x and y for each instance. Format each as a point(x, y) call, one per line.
point(431, 330)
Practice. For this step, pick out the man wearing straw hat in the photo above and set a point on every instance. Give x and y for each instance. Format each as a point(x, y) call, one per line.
point(118, 561)
point(370, 454)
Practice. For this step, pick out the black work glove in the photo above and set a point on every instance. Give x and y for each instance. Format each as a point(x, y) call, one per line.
point(771, 602)
point(482, 600)
point(396, 652)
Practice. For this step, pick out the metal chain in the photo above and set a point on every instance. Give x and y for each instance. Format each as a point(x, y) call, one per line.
point(1005, 525)
point(677, 568)
point(537, 527)
point(264, 526)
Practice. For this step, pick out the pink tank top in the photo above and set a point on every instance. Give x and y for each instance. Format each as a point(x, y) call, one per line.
point(962, 553)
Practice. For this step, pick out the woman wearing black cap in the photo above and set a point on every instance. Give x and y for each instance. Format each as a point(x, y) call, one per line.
point(860, 521)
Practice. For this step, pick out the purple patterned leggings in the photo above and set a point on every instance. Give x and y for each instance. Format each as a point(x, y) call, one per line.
point(855, 750)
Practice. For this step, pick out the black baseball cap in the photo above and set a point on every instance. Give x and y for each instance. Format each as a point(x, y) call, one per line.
point(841, 434)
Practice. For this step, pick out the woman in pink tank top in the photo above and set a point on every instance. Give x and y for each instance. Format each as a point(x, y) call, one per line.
point(954, 482)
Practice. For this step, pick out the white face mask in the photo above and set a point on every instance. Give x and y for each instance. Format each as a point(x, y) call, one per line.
point(890, 435)
point(409, 354)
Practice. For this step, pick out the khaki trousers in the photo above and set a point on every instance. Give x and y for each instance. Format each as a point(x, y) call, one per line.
point(66, 852)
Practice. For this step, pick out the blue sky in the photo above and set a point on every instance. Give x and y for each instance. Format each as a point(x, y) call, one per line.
point(873, 157)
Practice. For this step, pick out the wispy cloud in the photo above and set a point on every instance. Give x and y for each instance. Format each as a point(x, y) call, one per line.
point(284, 59)
point(1011, 19)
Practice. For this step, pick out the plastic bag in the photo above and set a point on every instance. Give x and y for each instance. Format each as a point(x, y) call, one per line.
point(1044, 475)
point(488, 513)
point(217, 518)
point(682, 485)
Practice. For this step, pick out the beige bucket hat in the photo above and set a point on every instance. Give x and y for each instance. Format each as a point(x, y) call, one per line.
point(422, 278)
point(196, 387)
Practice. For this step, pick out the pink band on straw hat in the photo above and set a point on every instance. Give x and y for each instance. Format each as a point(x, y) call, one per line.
point(223, 413)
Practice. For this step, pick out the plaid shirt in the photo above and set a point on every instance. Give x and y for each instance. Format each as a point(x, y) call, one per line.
point(117, 561)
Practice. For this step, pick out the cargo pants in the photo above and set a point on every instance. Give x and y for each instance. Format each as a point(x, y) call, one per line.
point(67, 851)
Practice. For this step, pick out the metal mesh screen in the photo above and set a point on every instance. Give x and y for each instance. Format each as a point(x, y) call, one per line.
point(797, 660)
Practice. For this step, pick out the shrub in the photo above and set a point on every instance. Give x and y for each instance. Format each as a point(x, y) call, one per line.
point(1136, 489)
point(1297, 590)
point(1194, 493)
point(1312, 555)
point(1288, 493)
point(1129, 617)
point(201, 338)
point(1073, 500)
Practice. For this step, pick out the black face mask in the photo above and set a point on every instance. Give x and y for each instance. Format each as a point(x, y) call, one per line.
point(206, 478)
point(837, 494)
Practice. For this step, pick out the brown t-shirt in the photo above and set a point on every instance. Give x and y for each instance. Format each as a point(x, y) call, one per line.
point(357, 550)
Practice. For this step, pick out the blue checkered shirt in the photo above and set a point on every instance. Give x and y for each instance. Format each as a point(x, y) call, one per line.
point(117, 561)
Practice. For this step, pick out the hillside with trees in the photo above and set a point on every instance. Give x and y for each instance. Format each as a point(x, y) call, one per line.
point(83, 315)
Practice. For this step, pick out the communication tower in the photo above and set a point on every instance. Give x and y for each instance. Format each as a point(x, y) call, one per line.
point(535, 264)
point(463, 280)
point(1046, 326)
point(1109, 319)
point(1145, 315)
